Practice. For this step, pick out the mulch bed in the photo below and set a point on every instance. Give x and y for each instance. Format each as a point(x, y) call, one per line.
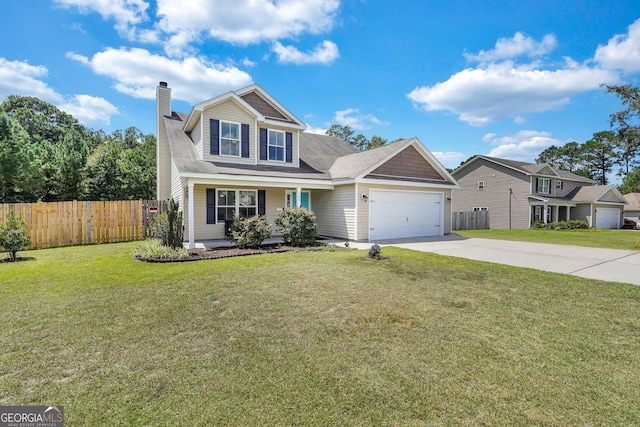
point(225, 252)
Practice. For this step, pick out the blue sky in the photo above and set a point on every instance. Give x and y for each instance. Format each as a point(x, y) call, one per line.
point(501, 78)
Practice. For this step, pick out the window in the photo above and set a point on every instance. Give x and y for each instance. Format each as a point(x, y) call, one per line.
point(229, 139)
point(538, 213)
point(276, 145)
point(480, 185)
point(480, 209)
point(559, 185)
point(543, 185)
point(232, 203)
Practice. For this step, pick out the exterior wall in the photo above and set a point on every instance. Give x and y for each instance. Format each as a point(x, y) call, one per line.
point(495, 195)
point(296, 145)
point(363, 206)
point(583, 212)
point(163, 155)
point(335, 211)
point(274, 198)
point(196, 137)
point(228, 111)
point(408, 163)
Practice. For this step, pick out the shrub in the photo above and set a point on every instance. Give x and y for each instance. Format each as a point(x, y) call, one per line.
point(375, 252)
point(154, 249)
point(167, 226)
point(13, 235)
point(250, 232)
point(298, 226)
point(574, 224)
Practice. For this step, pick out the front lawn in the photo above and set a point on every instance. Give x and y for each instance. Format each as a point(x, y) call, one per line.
point(594, 238)
point(315, 338)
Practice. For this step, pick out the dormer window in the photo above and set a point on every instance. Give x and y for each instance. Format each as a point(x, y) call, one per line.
point(229, 139)
point(276, 145)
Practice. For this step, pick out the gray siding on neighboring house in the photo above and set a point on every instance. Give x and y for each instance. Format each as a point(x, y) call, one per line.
point(583, 212)
point(335, 211)
point(495, 195)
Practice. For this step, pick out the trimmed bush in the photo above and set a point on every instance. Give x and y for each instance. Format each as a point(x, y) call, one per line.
point(375, 252)
point(298, 226)
point(13, 235)
point(154, 249)
point(250, 232)
point(574, 224)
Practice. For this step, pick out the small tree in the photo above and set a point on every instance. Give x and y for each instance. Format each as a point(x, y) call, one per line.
point(298, 226)
point(167, 226)
point(250, 232)
point(13, 235)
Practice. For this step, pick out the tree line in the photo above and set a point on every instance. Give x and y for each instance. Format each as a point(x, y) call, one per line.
point(48, 155)
point(616, 150)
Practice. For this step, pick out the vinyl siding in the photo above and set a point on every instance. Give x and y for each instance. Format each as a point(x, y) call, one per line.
point(228, 111)
point(408, 163)
point(495, 195)
point(582, 212)
point(196, 137)
point(335, 211)
point(163, 155)
point(295, 158)
point(363, 206)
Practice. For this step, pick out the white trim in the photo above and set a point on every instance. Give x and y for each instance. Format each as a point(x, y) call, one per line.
point(284, 145)
point(399, 183)
point(237, 197)
point(192, 227)
point(258, 181)
point(220, 138)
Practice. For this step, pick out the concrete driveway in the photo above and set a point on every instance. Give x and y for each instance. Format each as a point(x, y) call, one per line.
point(602, 264)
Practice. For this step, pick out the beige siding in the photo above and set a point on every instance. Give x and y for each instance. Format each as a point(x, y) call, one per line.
point(232, 112)
point(363, 206)
point(567, 187)
point(295, 141)
point(163, 155)
point(335, 211)
point(495, 195)
point(610, 196)
point(196, 137)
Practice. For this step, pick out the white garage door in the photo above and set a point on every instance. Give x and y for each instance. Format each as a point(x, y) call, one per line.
point(607, 218)
point(397, 214)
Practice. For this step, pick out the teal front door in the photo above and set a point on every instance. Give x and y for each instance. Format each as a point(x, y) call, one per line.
point(304, 200)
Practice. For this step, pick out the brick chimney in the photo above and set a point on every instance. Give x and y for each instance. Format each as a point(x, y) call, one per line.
point(163, 155)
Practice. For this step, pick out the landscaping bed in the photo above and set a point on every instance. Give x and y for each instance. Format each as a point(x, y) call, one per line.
point(227, 252)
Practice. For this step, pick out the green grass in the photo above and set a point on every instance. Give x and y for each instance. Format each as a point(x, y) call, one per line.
point(315, 338)
point(594, 238)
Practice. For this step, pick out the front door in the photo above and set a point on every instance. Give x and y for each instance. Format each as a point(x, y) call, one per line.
point(304, 200)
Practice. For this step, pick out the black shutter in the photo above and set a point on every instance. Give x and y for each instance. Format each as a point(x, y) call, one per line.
point(215, 136)
point(263, 144)
point(262, 202)
point(211, 206)
point(289, 142)
point(244, 139)
point(537, 183)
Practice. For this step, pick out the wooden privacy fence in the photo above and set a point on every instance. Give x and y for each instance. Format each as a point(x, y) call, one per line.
point(473, 220)
point(79, 223)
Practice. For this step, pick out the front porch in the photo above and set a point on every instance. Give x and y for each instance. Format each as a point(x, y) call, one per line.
point(549, 210)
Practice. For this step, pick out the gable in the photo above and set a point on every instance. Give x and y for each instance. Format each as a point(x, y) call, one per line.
point(546, 170)
point(610, 196)
point(263, 107)
point(409, 163)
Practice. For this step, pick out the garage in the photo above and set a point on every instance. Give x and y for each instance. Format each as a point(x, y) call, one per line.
point(395, 214)
point(608, 218)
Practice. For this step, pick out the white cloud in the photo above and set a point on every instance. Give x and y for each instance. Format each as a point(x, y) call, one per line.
point(90, 109)
point(126, 13)
point(524, 146)
point(23, 79)
point(500, 90)
point(450, 159)
point(137, 73)
point(622, 52)
point(243, 22)
point(353, 118)
point(514, 47)
point(324, 53)
point(317, 131)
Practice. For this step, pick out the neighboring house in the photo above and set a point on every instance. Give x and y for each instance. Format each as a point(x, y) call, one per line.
point(243, 153)
point(517, 194)
point(632, 209)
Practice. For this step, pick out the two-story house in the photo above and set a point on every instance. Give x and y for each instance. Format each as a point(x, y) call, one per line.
point(517, 194)
point(242, 153)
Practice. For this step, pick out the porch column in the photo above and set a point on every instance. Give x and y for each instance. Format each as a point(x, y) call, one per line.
point(556, 217)
point(192, 227)
point(568, 213)
point(298, 197)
